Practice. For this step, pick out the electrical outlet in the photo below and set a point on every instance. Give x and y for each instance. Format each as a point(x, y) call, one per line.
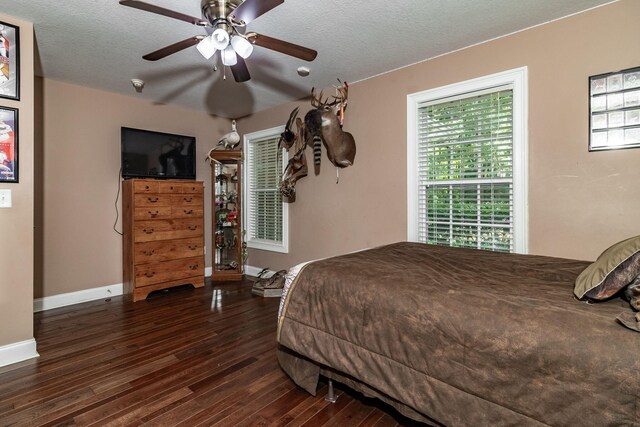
point(5, 198)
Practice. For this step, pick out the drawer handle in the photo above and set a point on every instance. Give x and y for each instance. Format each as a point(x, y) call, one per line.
point(146, 187)
point(193, 247)
point(188, 199)
point(154, 214)
point(188, 212)
point(150, 275)
point(148, 230)
point(193, 227)
point(193, 267)
point(171, 187)
point(152, 199)
point(149, 253)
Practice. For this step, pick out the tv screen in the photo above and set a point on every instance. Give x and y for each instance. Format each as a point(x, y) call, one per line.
point(149, 154)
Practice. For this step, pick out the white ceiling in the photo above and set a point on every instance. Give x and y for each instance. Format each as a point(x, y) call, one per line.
point(100, 43)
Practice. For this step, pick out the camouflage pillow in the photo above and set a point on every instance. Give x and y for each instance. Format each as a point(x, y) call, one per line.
point(632, 293)
point(614, 269)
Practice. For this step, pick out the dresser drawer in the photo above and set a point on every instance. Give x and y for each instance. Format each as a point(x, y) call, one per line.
point(151, 252)
point(145, 186)
point(152, 212)
point(187, 211)
point(169, 187)
point(187, 200)
point(173, 187)
point(149, 274)
point(191, 187)
point(167, 229)
point(152, 199)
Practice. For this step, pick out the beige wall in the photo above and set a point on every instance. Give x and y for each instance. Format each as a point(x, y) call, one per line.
point(579, 202)
point(16, 223)
point(81, 159)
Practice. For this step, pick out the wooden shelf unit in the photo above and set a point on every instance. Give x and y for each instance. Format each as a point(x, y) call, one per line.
point(163, 235)
point(226, 187)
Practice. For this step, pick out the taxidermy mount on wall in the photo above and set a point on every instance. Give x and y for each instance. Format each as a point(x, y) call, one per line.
point(228, 141)
point(322, 126)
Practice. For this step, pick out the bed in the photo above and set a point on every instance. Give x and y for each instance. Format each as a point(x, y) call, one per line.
point(462, 337)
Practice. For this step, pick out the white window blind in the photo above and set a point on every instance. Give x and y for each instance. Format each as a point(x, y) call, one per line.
point(465, 170)
point(265, 210)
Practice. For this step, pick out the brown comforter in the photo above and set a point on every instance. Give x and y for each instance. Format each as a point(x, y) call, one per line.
point(463, 337)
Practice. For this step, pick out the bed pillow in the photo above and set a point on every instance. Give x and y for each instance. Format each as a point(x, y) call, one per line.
point(614, 269)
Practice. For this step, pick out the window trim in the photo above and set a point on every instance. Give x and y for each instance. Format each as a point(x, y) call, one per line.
point(265, 245)
point(518, 78)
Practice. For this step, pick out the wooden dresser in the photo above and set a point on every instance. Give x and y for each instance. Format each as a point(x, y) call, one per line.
point(163, 228)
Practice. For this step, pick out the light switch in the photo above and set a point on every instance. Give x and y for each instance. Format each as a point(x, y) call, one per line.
point(5, 198)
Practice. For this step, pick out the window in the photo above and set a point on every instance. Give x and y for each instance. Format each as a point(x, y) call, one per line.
point(467, 164)
point(266, 219)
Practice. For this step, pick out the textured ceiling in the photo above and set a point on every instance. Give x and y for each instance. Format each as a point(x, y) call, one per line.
point(100, 43)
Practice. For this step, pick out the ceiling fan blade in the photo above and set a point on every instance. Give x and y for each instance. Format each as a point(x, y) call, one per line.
point(249, 10)
point(282, 46)
point(240, 71)
point(171, 49)
point(165, 12)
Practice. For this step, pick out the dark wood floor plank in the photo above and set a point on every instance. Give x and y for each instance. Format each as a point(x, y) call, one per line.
point(133, 416)
point(372, 419)
point(232, 407)
point(272, 411)
point(386, 421)
point(182, 357)
point(351, 416)
point(318, 405)
point(326, 413)
point(207, 397)
point(296, 412)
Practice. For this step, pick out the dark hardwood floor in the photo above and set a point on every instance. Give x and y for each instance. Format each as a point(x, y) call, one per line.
point(183, 357)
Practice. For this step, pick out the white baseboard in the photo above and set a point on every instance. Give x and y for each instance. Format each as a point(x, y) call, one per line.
point(62, 300)
point(17, 352)
point(253, 271)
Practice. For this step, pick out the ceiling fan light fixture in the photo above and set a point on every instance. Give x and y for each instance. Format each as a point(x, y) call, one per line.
point(241, 46)
point(229, 57)
point(220, 39)
point(206, 47)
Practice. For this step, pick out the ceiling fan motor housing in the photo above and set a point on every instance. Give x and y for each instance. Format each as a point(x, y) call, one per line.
point(217, 11)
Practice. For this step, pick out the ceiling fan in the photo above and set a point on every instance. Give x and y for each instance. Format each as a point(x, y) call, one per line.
point(226, 22)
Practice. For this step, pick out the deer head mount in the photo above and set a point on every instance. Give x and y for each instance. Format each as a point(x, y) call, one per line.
point(322, 126)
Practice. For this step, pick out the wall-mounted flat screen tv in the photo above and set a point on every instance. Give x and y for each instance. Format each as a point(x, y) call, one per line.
point(149, 154)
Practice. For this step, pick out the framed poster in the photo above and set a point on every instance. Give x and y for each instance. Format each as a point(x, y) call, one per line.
point(9, 61)
point(8, 144)
point(614, 110)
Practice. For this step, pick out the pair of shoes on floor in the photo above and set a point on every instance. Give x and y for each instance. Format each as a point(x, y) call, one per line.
point(274, 282)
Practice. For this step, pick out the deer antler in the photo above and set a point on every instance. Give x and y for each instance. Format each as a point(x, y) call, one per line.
point(288, 138)
point(317, 102)
point(343, 94)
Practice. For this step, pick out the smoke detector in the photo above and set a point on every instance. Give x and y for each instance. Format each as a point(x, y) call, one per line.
point(137, 84)
point(303, 71)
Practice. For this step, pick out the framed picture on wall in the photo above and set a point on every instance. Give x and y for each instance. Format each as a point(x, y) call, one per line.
point(614, 110)
point(9, 61)
point(8, 144)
